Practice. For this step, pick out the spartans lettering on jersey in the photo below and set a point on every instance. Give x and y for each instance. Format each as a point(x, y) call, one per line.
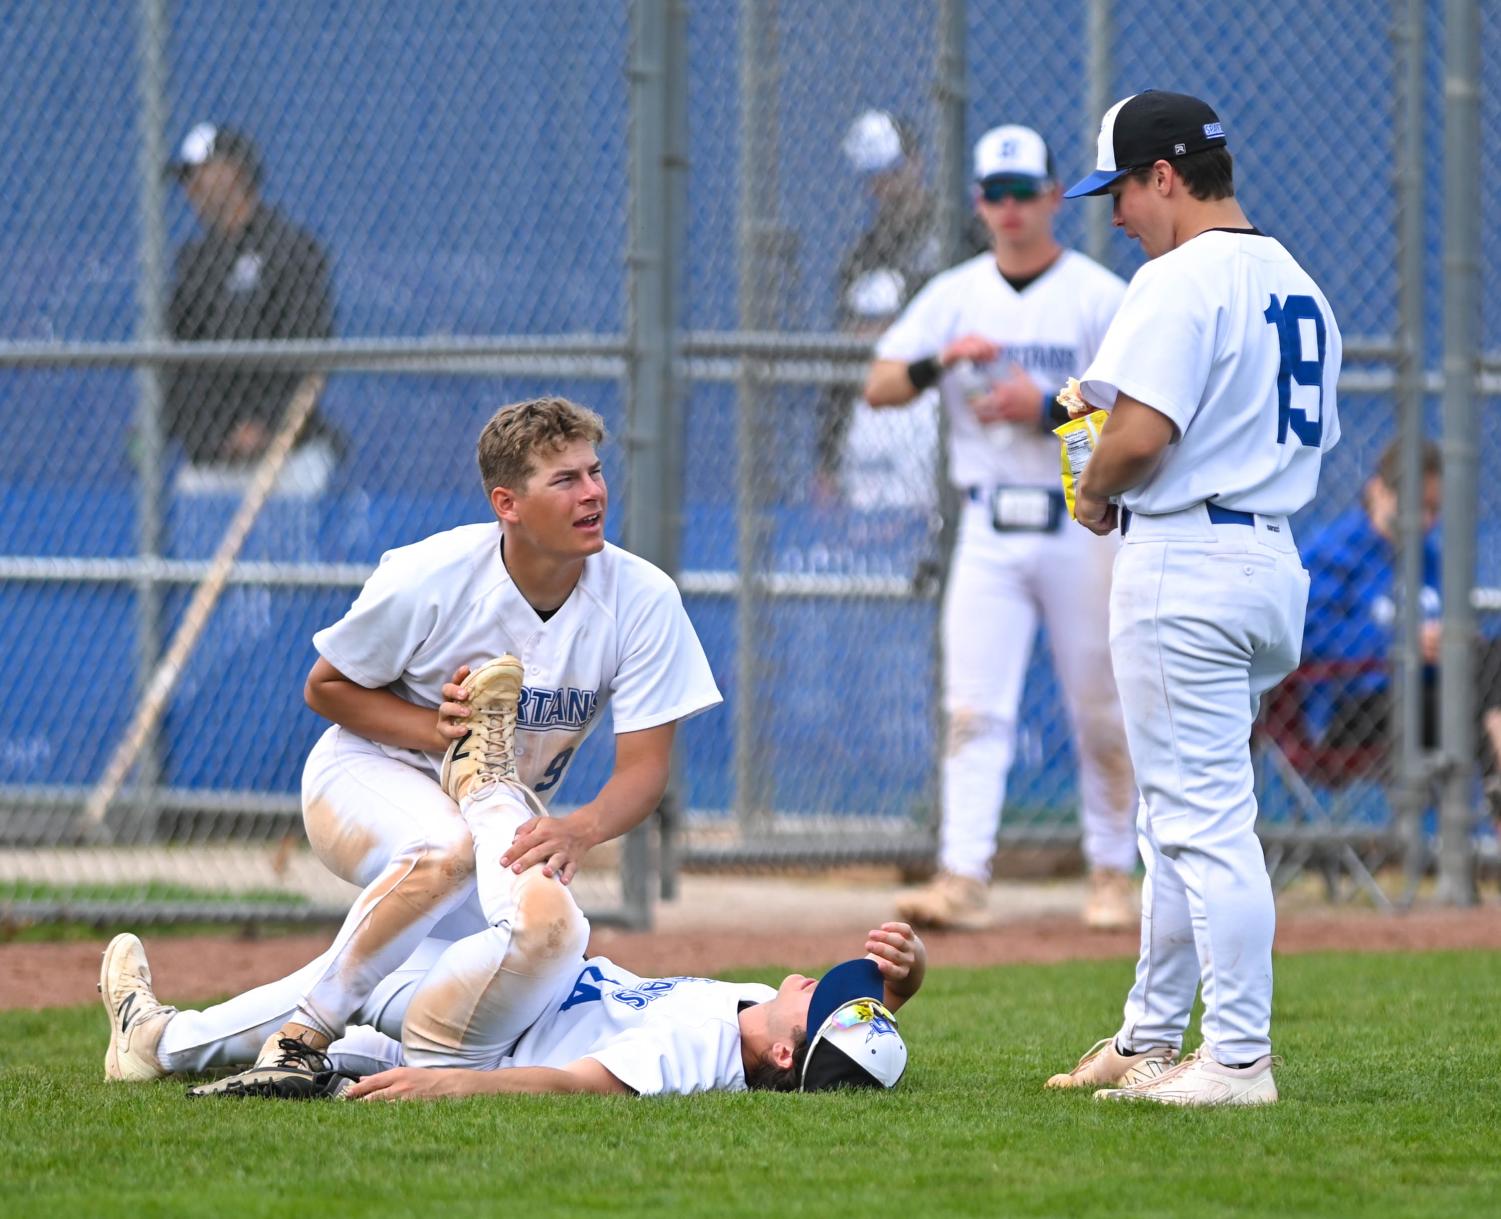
point(566, 708)
point(1051, 362)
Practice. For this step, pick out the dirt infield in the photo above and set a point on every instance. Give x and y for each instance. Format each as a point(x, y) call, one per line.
point(197, 968)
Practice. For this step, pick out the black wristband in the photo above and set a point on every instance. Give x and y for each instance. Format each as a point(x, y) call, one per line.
point(925, 372)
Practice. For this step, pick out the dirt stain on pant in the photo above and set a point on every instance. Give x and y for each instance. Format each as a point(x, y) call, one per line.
point(423, 879)
point(490, 988)
point(965, 726)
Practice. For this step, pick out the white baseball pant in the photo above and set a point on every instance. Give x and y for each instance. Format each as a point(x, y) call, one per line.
point(429, 866)
point(232, 1033)
point(1001, 586)
point(1205, 618)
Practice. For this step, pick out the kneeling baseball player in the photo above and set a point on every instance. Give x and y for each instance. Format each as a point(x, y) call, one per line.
point(601, 1029)
point(429, 790)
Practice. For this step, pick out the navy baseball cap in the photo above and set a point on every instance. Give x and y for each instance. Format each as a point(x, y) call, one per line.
point(852, 1038)
point(1145, 128)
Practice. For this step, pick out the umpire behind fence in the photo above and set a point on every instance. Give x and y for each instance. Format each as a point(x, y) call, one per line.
point(251, 274)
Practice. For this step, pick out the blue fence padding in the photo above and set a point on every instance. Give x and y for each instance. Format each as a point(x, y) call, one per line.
point(237, 718)
point(72, 649)
point(68, 428)
point(845, 682)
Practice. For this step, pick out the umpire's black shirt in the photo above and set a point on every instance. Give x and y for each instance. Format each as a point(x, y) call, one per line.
point(267, 281)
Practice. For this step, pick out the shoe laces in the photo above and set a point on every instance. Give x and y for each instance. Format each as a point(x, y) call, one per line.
point(1177, 1069)
point(962, 889)
point(1091, 1053)
point(298, 1055)
point(495, 742)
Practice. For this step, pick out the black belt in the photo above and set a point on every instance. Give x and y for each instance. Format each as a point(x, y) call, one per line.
point(1021, 509)
point(1217, 516)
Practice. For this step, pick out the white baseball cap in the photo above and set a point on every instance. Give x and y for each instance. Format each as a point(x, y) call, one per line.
point(1013, 151)
point(852, 1038)
point(873, 143)
point(876, 294)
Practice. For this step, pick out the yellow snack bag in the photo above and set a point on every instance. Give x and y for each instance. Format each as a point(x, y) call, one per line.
point(1076, 441)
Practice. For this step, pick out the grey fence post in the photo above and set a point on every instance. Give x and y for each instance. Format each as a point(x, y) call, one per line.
point(762, 254)
point(1456, 880)
point(654, 425)
point(952, 92)
point(674, 232)
point(1098, 96)
point(151, 160)
point(1409, 793)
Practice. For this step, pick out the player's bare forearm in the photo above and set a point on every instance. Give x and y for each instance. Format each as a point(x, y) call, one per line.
point(1131, 444)
point(434, 1083)
point(376, 715)
point(901, 957)
point(888, 384)
point(635, 786)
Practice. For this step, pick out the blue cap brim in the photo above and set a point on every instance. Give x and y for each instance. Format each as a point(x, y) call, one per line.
point(858, 979)
point(1096, 184)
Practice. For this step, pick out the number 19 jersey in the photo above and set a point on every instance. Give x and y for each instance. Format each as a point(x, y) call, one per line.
point(1233, 341)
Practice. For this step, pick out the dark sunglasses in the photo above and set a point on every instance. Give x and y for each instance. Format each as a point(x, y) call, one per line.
point(1023, 192)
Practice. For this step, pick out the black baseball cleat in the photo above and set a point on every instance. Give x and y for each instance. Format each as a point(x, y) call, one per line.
point(334, 1084)
point(286, 1070)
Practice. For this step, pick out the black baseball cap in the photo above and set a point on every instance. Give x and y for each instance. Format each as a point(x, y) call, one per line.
point(1145, 128)
point(209, 142)
point(852, 1037)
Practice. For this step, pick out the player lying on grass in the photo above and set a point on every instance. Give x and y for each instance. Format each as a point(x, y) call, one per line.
point(429, 789)
point(603, 1029)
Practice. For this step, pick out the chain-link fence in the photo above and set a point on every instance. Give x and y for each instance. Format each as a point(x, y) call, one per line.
point(368, 182)
point(835, 531)
point(695, 218)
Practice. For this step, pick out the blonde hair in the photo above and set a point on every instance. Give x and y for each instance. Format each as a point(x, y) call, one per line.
point(509, 443)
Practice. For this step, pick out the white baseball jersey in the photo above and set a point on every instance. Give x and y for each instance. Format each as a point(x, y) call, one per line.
point(655, 1035)
point(1051, 330)
point(621, 639)
point(1230, 339)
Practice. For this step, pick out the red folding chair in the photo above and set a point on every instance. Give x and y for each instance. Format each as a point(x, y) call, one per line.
point(1285, 738)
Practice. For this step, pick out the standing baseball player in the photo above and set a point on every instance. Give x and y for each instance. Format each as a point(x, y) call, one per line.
point(991, 333)
point(577, 624)
point(602, 1029)
point(1219, 375)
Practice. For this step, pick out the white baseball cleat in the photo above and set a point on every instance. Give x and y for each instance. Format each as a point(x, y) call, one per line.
point(1111, 904)
point(950, 903)
point(1103, 1066)
point(1200, 1082)
point(136, 1017)
point(486, 754)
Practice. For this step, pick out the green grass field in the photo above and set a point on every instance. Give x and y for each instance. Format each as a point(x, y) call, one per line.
point(1391, 1106)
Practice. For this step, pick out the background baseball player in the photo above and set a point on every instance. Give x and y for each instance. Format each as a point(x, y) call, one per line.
point(1219, 375)
point(993, 332)
point(589, 625)
point(875, 459)
point(603, 1029)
